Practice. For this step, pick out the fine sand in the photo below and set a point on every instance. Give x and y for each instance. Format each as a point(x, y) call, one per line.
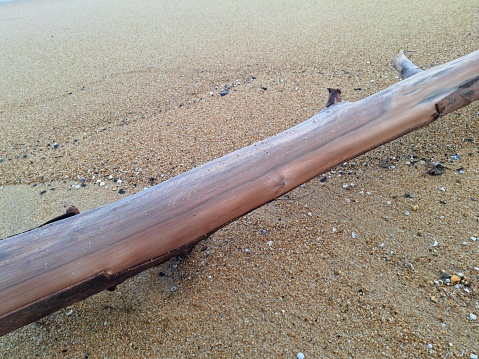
point(355, 266)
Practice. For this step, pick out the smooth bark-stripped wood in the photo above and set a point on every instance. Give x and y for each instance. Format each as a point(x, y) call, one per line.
point(48, 268)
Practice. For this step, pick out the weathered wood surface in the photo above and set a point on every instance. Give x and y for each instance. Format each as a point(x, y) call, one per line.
point(48, 268)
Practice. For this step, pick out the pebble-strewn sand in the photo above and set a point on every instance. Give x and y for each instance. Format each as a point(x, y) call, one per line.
point(106, 90)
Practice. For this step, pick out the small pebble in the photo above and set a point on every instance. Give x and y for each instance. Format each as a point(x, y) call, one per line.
point(70, 312)
point(300, 355)
point(406, 213)
point(473, 356)
point(429, 346)
point(224, 92)
point(442, 189)
point(173, 289)
point(353, 235)
point(55, 145)
point(472, 316)
point(455, 279)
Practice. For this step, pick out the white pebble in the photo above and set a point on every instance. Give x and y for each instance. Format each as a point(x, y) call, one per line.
point(102, 184)
point(472, 316)
point(429, 346)
point(269, 243)
point(353, 235)
point(70, 312)
point(464, 243)
point(300, 355)
point(473, 356)
point(442, 189)
point(473, 239)
point(119, 181)
point(334, 230)
point(406, 213)
point(345, 186)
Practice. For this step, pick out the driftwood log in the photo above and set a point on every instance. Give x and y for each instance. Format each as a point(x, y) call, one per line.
point(63, 262)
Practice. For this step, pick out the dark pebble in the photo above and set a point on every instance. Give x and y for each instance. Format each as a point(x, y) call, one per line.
point(323, 179)
point(43, 192)
point(24, 156)
point(357, 89)
point(1, 160)
point(122, 191)
point(55, 145)
point(445, 275)
point(409, 195)
point(264, 88)
point(263, 231)
point(83, 184)
point(75, 140)
point(224, 92)
point(152, 178)
point(161, 274)
point(384, 164)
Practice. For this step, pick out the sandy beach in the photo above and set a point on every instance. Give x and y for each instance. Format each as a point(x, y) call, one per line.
point(353, 264)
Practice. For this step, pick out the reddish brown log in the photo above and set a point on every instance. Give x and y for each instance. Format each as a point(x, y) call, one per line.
point(48, 268)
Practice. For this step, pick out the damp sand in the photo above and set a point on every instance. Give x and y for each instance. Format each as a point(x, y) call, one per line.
point(355, 263)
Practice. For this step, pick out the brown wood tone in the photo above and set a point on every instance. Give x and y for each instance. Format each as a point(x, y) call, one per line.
point(71, 211)
point(48, 268)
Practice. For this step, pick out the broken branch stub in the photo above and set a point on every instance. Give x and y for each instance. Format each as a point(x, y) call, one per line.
point(51, 267)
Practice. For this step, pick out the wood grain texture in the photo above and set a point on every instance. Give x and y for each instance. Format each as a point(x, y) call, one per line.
point(48, 268)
